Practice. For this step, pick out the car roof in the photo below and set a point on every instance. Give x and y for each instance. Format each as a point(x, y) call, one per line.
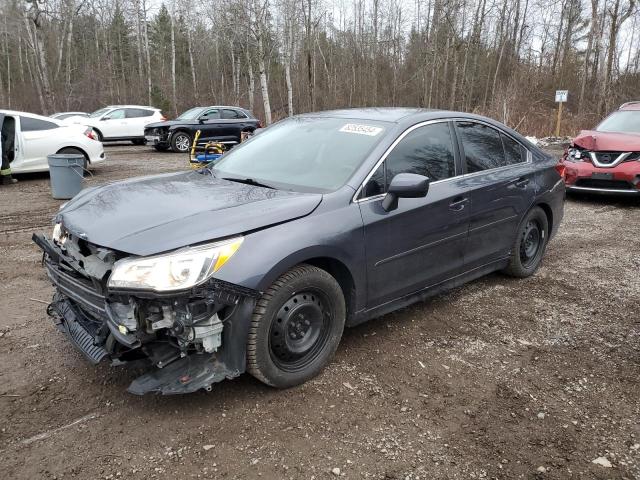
point(633, 105)
point(382, 114)
point(131, 106)
point(33, 115)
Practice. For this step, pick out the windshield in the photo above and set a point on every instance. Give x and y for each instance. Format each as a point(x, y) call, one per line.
point(625, 121)
point(318, 154)
point(191, 114)
point(99, 113)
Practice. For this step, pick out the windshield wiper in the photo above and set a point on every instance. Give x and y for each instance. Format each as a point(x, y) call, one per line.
point(249, 181)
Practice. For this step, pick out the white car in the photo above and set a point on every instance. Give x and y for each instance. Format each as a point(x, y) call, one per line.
point(120, 122)
point(65, 115)
point(36, 136)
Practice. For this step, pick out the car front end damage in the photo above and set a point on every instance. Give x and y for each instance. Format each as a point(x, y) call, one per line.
point(157, 136)
point(193, 336)
point(596, 163)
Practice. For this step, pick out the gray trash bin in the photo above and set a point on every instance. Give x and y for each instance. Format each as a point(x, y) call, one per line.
point(65, 173)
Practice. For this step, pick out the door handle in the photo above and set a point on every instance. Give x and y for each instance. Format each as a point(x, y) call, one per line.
point(458, 204)
point(522, 182)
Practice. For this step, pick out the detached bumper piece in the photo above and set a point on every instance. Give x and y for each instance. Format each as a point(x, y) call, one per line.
point(186, 375)
point(67, 321)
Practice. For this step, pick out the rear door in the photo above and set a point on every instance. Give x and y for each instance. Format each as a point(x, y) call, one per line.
point(420, 243)
point(233, 122)
point(137, 119)
point(34, 141)
point(500, 181)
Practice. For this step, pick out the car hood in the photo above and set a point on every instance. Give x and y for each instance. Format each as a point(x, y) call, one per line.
point(608, 141)
point(149, 215)
point(169, 123)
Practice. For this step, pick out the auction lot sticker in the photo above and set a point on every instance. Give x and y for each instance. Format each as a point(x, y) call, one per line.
point(369, 130)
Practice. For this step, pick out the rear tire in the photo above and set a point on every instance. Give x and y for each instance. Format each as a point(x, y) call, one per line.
point(296, 327)
point(530, 244)
point(77, 151)
point(180, 142)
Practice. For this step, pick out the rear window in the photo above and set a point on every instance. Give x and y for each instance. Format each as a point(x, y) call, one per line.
point(624, 121)
point(28, 124)
point(138, 112)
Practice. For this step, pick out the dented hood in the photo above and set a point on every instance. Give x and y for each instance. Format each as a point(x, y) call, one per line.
point(149, 215)
point(607, 141)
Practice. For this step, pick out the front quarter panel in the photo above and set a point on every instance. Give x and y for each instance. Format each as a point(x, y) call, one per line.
point(332, 230)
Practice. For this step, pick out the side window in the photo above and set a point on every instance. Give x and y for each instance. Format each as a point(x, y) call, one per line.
point(482, 146)
point(116, 114)
point(426, 151)
point(28, 124)
point(513, 151)
point(227, 113)
point(210, 114)
point(138, 113)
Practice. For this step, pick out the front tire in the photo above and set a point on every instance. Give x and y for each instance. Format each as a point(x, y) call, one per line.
point(180, 142)
point(296, 327)
point(530, 244)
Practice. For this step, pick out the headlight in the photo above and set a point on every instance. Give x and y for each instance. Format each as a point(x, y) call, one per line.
point(178, 270)
point(575, 155)
point(56, 235)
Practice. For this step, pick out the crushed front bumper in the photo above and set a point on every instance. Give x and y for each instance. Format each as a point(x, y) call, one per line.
point(122, 326)
point(623, 179)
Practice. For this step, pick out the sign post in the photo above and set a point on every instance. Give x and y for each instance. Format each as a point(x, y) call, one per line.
point(561, 97)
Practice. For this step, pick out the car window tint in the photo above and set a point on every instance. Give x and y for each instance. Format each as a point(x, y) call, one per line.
point(228, 113)
point(482, 146)
point(138, 113)
point(28, 124)
point(513, 151)
point(426, 151)
point(210, 114)
point(116, 114)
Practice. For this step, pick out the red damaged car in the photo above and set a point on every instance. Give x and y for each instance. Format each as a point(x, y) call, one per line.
point(607, 159)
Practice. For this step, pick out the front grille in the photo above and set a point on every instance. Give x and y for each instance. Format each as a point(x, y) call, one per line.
point(607, 158)
point(80, 290)
point(597, 183)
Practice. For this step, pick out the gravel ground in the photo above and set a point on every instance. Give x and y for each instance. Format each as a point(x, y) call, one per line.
point(501, 378)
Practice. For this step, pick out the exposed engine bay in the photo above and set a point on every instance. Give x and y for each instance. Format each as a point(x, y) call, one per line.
point(182, 333)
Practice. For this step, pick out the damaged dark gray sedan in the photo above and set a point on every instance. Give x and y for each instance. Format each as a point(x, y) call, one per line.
point(324, 220)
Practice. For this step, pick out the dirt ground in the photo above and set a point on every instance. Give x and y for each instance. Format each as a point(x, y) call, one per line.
point(501, 378)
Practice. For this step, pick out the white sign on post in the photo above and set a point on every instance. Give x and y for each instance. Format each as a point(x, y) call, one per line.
point(561, 96)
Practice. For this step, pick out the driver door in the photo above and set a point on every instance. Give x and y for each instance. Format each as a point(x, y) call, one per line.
point(114, 124)
point(421, 242)
point(210, 124)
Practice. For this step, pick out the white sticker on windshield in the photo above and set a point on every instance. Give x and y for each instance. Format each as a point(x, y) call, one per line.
point(361, 129)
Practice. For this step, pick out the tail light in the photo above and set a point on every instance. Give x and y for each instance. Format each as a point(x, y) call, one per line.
point(163, 118)
point(259, 124)
point(562, 170)
point(91, 134)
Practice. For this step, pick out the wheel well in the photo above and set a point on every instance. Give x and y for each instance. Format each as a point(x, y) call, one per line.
point(549, 213)
point(341, 273)
point(86, 157)
point(99, 132)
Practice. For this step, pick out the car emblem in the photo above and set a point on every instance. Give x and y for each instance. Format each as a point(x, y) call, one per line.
point(606, 158)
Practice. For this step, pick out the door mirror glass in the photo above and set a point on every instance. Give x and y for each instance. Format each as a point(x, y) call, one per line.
point(405, 185)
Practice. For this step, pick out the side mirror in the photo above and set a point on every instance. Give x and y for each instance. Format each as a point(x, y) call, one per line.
point(106, 117)
point(201, 120)
point(405, 185)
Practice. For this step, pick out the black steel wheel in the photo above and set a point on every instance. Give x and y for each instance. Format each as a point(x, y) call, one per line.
point(530, 243)
point(180, 142)
point(296, 327)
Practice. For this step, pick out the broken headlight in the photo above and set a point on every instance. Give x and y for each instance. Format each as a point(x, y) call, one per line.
point(575, 155)
point(177, 270)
